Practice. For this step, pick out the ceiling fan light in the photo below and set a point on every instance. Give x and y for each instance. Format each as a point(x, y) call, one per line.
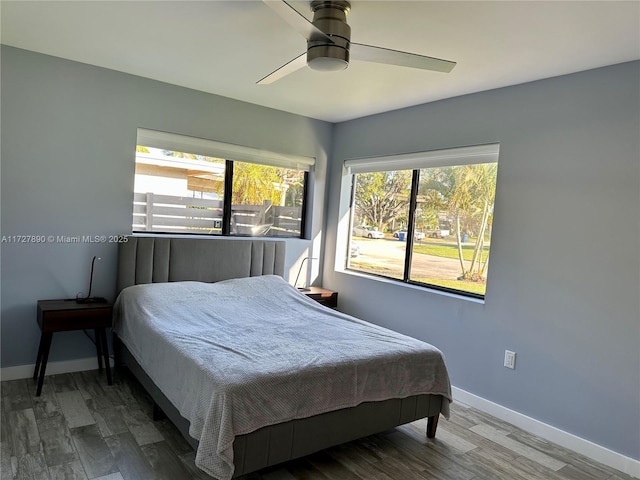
point(328, 58)
point(327, 64)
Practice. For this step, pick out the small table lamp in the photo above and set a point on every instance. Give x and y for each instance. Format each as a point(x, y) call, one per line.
point(302, 289)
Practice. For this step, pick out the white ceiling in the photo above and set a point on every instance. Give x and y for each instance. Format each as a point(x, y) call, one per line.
point(224, 47)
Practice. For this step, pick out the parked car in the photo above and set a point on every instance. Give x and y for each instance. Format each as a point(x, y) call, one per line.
point(367, 232)
point(438, 233)
point(416, 235)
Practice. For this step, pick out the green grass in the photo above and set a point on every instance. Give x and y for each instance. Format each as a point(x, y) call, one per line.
point(446, 251)
point(375, 269)
point(472, 287)
point(462, 285)
point(379, 269)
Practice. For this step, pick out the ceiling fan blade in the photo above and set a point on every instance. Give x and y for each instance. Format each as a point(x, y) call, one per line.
point(369, 53)
point(296, 64)
point(298, 21)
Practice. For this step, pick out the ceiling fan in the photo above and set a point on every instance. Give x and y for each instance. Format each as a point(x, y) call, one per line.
point(329, 46)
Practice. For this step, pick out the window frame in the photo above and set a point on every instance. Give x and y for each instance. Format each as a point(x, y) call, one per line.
point(215, 149)
point(414, 162)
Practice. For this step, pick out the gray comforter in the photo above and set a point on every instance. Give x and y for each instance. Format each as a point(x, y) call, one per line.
point(241, 354)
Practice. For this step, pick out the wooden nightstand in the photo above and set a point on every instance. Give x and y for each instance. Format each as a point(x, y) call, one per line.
point(64, 315)
point(328, 298)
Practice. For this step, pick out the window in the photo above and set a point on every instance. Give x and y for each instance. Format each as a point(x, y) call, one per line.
point(425, 218)
point(188, 185)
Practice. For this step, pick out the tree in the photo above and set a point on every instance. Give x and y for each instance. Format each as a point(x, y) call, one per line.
point(467, 194)
point(382, 196)
point(295, 191)
point(473, 197)
point(253, 184)
point(434, 190)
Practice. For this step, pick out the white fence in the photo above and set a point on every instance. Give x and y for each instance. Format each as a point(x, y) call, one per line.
point(172, 214)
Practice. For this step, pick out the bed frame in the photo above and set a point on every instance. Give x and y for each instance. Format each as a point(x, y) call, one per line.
point(157, 259)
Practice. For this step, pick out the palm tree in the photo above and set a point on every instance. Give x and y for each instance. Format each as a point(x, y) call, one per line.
point(253, 184)
point(474, 195)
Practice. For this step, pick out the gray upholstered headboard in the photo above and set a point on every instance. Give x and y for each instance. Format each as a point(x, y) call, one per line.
point(158, 259)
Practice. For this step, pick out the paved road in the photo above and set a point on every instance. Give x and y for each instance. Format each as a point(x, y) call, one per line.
point(389, 254)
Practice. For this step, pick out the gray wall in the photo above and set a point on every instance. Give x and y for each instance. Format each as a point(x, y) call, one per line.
point(563, 284)
point(563, 281)
point(68, 147)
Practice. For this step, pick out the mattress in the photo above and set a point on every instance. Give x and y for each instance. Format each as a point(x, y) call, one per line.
point(241, 354)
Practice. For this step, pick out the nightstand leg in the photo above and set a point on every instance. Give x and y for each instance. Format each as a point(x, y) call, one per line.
point(46, 337)
point(105, 352)
point(39, 357)
point(96, 332)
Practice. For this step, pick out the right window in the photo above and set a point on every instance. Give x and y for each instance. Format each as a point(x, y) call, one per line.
point(430, 225)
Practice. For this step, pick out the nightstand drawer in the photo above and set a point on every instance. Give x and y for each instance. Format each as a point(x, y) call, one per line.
point(65, 315)
point(64, 320)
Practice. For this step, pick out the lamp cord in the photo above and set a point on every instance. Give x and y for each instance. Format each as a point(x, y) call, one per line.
point(91, 277)
point(295, 284)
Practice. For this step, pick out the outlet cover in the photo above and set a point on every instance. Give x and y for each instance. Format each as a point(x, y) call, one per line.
point(510, 359)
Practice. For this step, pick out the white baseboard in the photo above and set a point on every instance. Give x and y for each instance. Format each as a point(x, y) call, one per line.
point(53, 368)
point(584, 447)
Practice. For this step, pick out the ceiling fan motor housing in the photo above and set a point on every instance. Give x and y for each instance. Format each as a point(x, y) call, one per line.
point(330, 16)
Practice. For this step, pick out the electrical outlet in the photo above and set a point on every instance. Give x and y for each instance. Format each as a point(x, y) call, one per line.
point(510, 359)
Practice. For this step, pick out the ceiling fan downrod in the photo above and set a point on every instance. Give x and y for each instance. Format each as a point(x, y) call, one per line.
point(330, 16)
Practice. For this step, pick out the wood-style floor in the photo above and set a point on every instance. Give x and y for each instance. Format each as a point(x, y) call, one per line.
point(80, 428)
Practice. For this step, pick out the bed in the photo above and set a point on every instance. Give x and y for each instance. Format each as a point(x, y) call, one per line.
point(252, 372)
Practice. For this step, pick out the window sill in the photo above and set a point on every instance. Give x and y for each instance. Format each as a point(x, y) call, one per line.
point(417, 288)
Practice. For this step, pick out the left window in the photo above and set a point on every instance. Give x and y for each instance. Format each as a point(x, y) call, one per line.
point(196, 186)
